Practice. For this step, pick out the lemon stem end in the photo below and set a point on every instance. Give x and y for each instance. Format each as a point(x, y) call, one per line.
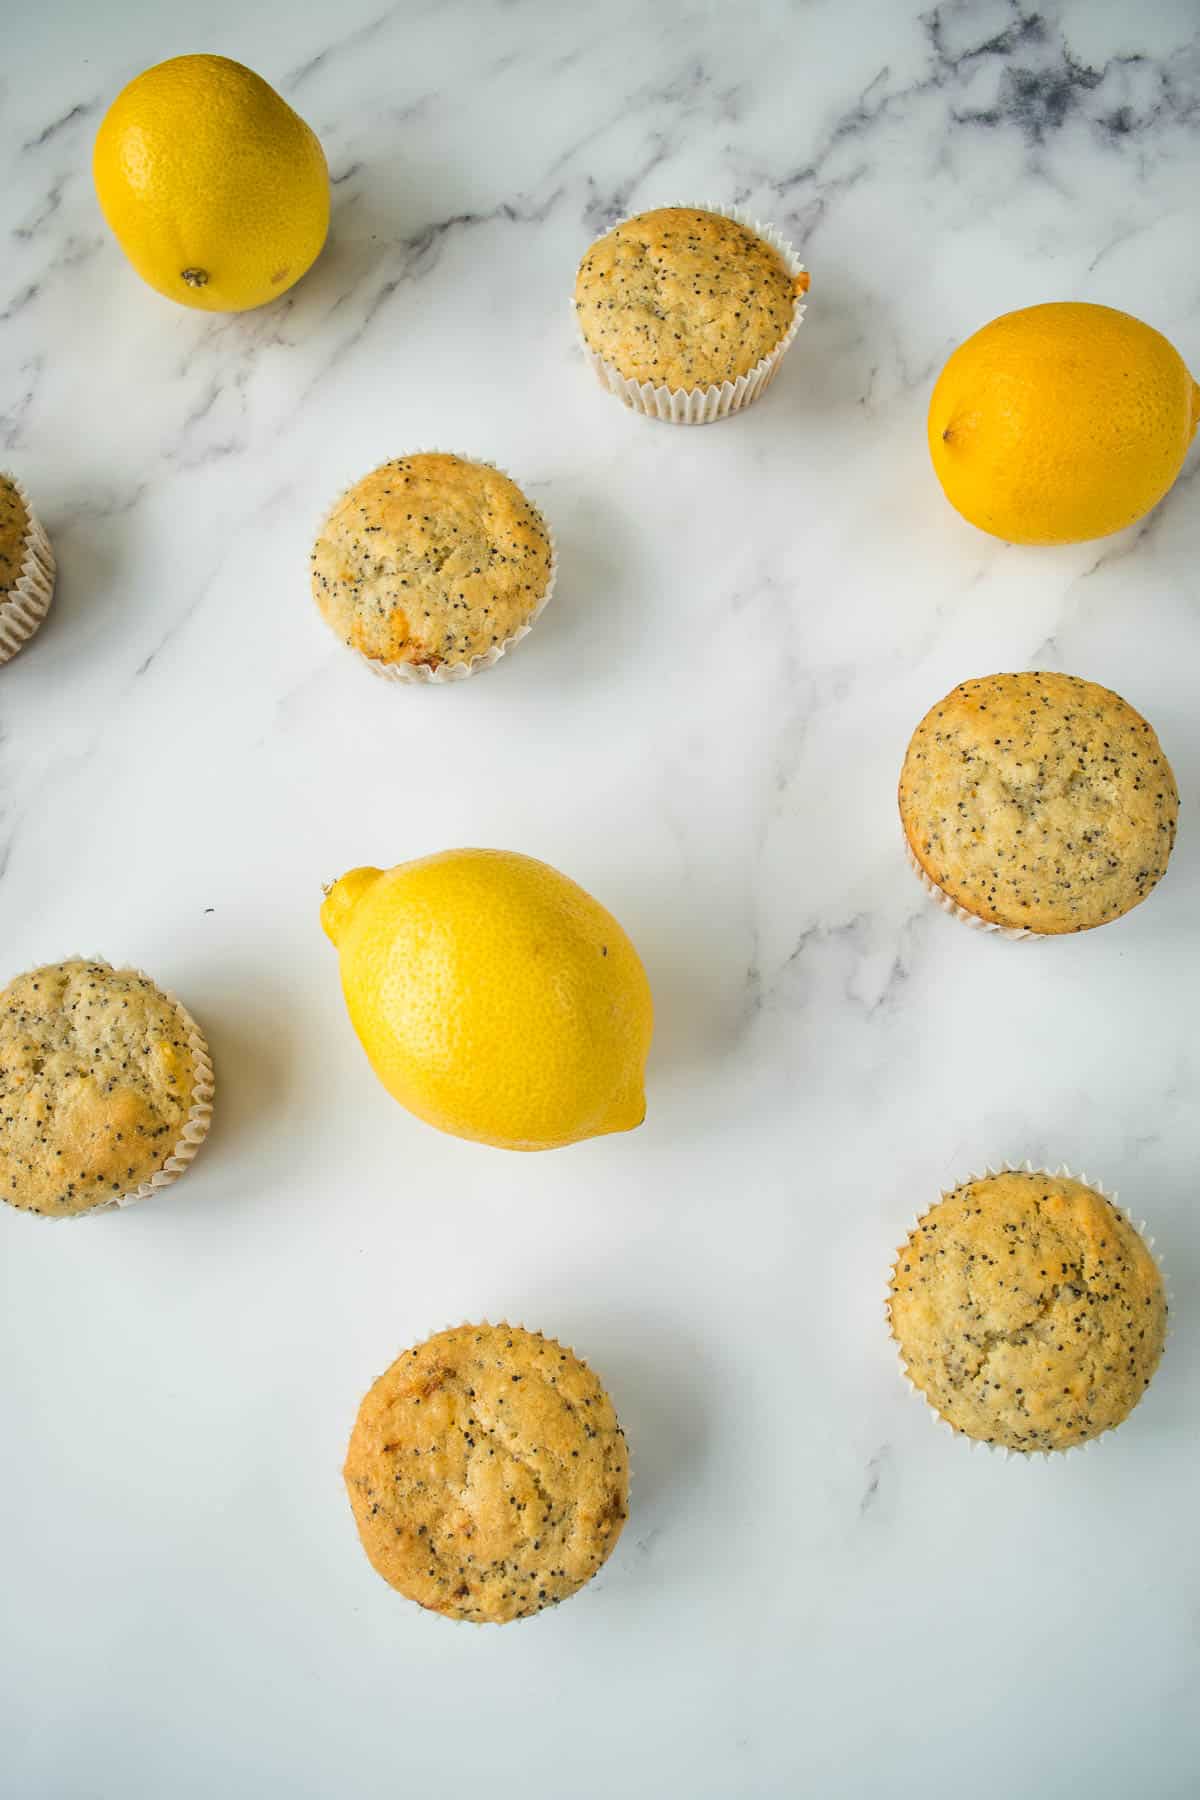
point(341, 899)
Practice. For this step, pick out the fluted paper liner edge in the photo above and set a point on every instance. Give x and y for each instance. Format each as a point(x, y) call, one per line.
point(26, 604)
point(1015, 933)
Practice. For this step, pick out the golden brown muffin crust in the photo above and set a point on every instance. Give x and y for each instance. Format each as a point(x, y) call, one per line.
point(488, 1474)
point(1039, 800)
point(14, 531)
point(431, 559)
point(1028, 1311)
point(684, 298)
point(96, 1078)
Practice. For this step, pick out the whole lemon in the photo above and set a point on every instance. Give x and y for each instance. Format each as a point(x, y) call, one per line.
point(494, 998)
point(1061, 422)
point(216, 191)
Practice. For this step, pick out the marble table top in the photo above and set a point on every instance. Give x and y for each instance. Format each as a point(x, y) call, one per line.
point(818, 1592)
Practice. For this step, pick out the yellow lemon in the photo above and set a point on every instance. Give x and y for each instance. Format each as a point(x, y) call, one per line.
point(494, 998)
point(1061, 422)
point(215, 189)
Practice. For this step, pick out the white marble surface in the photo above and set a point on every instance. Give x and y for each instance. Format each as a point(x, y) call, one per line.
point(818, 1592)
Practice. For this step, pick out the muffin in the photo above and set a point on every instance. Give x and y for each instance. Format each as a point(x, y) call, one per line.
point(26, 569)
point(105, 1089)
point(1028, 1311)
point(685, 313)
point(1037, 804)
point(487, 1473)
point(432, 567)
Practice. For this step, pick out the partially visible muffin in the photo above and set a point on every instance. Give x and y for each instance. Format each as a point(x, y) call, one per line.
point(432, 564)
point(27, 569)
point(487, 1473)
point(682, 298)
point(1028, 1311)
point(14, 535)
point(1038, 802)
point(105, 1088)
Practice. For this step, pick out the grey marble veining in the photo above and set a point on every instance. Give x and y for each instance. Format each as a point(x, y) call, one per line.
point(818, 1591)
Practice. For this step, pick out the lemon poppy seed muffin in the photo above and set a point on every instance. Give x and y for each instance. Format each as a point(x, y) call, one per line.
point(105, 1088)
point(683, 299)
point(1028, 1311)
point(432, 563)
point(1038, 802)
point(487, 1473)
point(14, 534)
point(26, 569)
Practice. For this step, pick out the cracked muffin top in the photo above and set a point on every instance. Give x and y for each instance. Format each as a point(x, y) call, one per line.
point(96, 1081)
point(684, 298)
point(487, 1473)
point(431, 559)
point(1039, 801)
point(1028, 1311)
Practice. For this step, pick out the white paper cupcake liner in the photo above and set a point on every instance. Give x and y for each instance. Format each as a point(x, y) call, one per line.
point(1022, 1168)
point(487, 659)
point(195, 1126)
point(509, 1325)
point(938, 895)
point(701, 405)
point(27, 603)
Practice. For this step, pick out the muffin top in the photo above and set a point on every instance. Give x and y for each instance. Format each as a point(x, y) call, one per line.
point(683, 298)
point(14, 528)
point(96, 1079)
point(1028, 1311)
point(487, 1472)
point(1038, 800)
point(431, 559)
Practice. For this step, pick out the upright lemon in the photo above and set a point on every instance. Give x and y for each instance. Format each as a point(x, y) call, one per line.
point(494, 998)
point(215, 189)
point(1061, 422)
